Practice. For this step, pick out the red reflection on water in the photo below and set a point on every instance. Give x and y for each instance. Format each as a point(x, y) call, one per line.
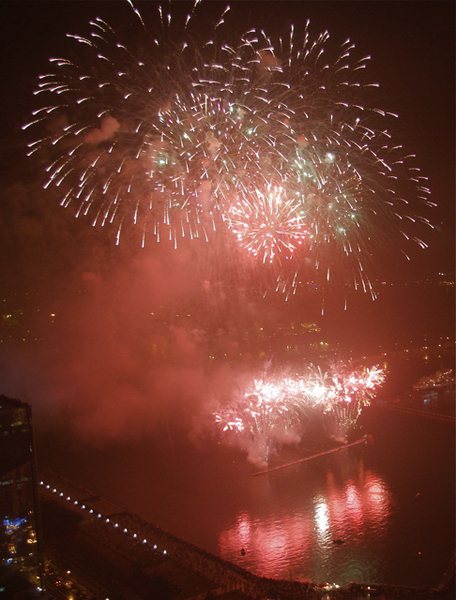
point(264, 546)
point(343, 510)
point(378, 497)
point(354, 504)
point(362, 500)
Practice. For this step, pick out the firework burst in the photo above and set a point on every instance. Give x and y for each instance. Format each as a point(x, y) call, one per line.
point(263, 414)
point(267, 224)
point(340, 395)
point(270, 411)
point(269, 139)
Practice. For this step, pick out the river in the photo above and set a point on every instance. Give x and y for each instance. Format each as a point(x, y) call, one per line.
point(381, 512)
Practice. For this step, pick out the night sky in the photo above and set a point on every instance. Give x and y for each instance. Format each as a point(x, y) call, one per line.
point(413, 59)
point(102, 293)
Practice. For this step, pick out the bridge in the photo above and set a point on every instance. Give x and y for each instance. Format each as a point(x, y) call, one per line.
point(139, 545)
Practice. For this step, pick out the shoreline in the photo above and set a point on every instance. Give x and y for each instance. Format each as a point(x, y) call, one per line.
point(123, 531)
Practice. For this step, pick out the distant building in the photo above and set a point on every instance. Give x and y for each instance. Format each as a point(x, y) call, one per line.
point(21, 557)
point(437, 389)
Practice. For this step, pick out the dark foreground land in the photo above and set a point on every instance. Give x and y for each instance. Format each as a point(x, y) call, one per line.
point(96, 550)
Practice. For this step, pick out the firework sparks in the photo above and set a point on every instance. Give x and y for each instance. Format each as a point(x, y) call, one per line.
point(341, 395)
point(270, 139)
point(268, 225)
point(271, 411)
point(264, 415)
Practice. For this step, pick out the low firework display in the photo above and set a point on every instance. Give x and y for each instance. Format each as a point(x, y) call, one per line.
point(269, 412)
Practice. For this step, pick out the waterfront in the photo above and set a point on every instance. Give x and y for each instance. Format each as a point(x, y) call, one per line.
point(158, 564)
point(391, 504)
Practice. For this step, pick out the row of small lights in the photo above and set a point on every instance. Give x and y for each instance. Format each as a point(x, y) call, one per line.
point(83, 506)
point(99, 516)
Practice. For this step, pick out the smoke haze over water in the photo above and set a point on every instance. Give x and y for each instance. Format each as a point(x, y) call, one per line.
point(130, 339)
point(118, 356)
point(104, 342)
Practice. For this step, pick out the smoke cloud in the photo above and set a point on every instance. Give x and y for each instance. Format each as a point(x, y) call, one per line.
point(112, 341)
point(109, 126)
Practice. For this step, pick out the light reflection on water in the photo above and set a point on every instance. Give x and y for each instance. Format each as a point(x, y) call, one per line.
point(392, 503)
point(331, 531)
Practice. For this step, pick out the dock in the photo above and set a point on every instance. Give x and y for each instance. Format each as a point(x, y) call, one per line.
point(362, 440)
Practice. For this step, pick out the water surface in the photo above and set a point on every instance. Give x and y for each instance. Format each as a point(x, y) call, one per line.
point(381, 512)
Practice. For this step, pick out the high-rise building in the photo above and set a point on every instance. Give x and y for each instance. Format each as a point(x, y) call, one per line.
point(21, 557)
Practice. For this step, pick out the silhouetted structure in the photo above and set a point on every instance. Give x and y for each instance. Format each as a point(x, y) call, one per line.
point(21, 558)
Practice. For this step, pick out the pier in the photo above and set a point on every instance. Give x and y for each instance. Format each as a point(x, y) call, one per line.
point(363, 440)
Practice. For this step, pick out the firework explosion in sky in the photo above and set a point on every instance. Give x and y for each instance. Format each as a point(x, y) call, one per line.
point(221, 159)
point(270, 411)
point(273, 145)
